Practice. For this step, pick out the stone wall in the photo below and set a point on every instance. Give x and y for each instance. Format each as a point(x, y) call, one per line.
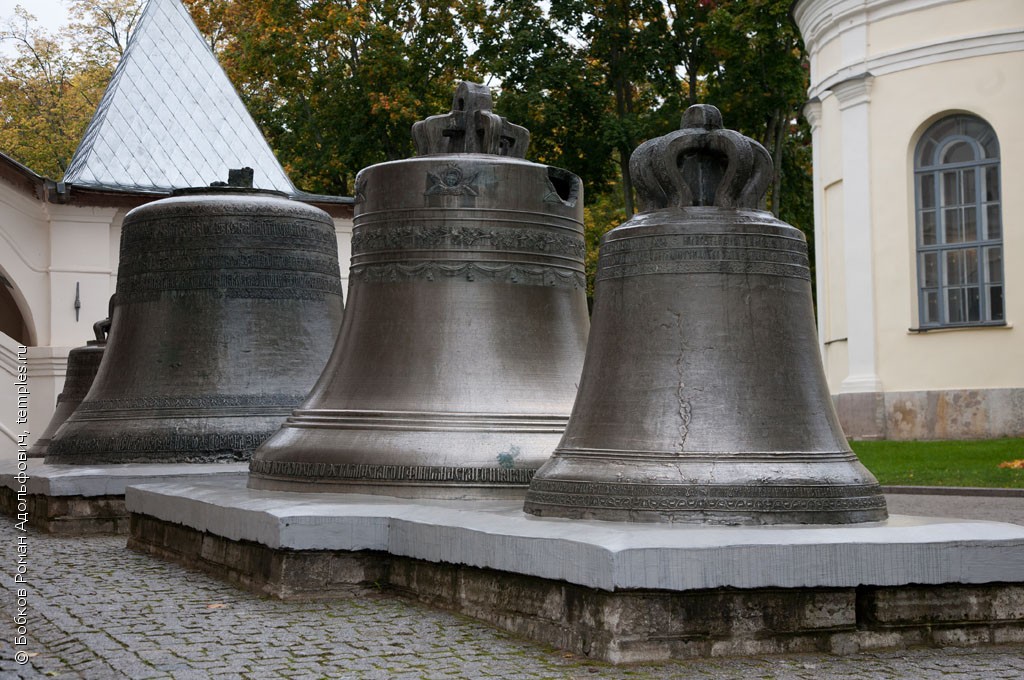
point(939, 414)
point(618, 626)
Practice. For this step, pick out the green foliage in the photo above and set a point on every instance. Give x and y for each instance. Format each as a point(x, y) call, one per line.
point(100, 29)
point(51, 85)
point(601, 214)
point(622, 41)
point(592, 80)
point(759, 80)
point(336, 84)
point(548, 86)
point(343, 92)
point(943, 463)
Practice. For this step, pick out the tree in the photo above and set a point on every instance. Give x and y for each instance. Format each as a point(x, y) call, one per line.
point(343, 92)
point(760, 79)
point(101, 28)
point(50, 88)
point(688, 57)
point(211, 18)
point(591, 79)
point(622, 39)
point(549, 86)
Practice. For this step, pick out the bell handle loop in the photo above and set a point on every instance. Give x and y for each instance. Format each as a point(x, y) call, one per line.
point(428, 135)
point(701, 146)
point(679, 169)
point(657, 179)
point(661, 182)
point(488, 133)
point(102, 330)
point(755, 190)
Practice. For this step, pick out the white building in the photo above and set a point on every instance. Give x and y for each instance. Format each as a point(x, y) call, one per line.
point(915, 107)
point(169, 119)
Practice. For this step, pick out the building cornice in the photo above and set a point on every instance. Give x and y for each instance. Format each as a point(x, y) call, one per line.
point(69, 194)
point(16, 199)
point(18, 175)
point(821, 21)
point(995, 42)
point(854, 91)
point(34, 187)
point(81, 214)
point(812, 112)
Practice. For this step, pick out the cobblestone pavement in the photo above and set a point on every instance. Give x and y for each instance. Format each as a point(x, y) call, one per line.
point(97, 611)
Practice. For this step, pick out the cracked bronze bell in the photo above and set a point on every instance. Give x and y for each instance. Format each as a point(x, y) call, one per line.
point(703, 397)
point(463, 341)
point(83, 362)
point(228, 302)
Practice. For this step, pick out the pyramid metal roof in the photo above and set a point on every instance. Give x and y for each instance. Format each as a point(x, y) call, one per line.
point(170, 118)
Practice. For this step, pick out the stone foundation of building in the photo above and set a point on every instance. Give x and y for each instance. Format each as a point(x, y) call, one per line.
point(945, 414)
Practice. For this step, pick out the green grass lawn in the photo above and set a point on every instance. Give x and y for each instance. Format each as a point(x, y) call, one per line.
point(952, 463)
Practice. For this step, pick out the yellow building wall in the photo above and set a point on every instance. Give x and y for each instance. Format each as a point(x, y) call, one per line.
point(903, 104)
point(942, 23)
point(833, 330)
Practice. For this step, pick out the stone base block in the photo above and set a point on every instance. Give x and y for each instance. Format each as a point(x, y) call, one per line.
point(862, 414)
point(77, 500)
point(285, 574)
point(69, 515)
point(616, 592)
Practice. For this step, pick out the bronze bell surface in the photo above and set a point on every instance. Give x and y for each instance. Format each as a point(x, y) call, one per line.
point(703, 398)
point(463, 341)
point(83, 362)
point(227, 305)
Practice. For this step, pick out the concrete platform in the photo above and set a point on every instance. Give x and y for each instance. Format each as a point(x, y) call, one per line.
point(89, 499)
point(618, 592)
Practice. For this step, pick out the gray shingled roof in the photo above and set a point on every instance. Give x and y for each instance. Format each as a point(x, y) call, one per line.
point(170, 117)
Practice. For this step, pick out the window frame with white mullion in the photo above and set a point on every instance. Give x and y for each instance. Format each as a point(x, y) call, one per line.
point(958, 215)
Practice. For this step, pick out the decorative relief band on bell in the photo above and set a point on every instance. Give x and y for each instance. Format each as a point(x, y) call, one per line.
point(210, 259)
point(556, 277)
point(84, 367)
point(184, 228)
point(205, 448)
point(265, 285)
point(446, 236)
point(278, 255)
point(361, 473)
point(700, 497)
point(704, 254)
point(707, 504)
point(690, 457)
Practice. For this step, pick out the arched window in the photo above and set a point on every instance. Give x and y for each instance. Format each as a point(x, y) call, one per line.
point(959, 224)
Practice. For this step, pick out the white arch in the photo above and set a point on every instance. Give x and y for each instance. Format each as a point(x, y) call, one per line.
point(24, 257)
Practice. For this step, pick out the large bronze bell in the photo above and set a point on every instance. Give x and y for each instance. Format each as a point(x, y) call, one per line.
point(83, 363)
point(228, 302)
point(463, 341)
point(703, 398)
